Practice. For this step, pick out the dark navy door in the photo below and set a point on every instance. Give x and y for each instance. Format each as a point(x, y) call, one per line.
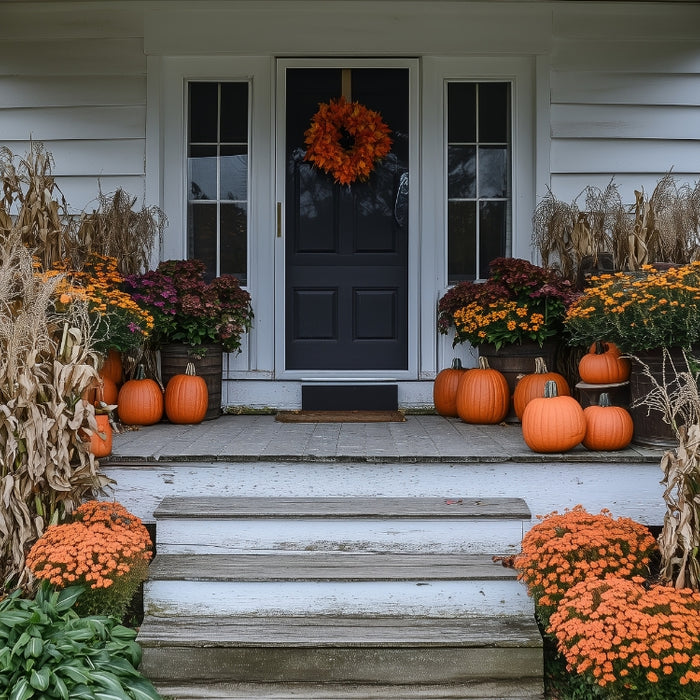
point(346, 246)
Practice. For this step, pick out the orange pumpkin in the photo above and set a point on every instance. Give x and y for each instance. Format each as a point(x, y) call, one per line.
point(553, 423)
point(140, 400)
point(608, 427)
point(531, 386)
point(101, 440)
point(483, 396)
point(112, 367)
point(445, 388)
point(186, 397)
point(603, 364)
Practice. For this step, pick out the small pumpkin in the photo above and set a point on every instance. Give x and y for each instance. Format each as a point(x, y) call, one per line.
point(608, 427)
point(553, 423)
point(140, 400)
point(106, 392)
point(603, 364)
point(101, 439)
point(112, 367)
point(483, 395)
point(186, 397)
point(531, 386)
point(445, 388)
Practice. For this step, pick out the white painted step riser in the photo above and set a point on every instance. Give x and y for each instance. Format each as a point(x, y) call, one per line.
point(430, 536)
point(434, 599)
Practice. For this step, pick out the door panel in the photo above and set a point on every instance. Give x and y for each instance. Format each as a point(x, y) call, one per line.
point(347, 246)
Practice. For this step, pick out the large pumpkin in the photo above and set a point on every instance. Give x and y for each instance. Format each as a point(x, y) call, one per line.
point(107, 391)
point(553, 423)
point(483, 396)
point(186, 397)
point(531, 386)
point(603, 364)
point(101, 440)
point(112, 367)
point(140, 400)
point(608, 427)
point(445, 388)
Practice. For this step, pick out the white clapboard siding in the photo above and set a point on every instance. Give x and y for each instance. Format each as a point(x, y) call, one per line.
point(54, 21)
point(590, 87)
point(569, 186)
point(632, 156)
point(81, 192)
point(85, 57)
point(69, 90)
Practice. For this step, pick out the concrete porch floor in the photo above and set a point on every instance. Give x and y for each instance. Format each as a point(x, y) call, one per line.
point(421, 438)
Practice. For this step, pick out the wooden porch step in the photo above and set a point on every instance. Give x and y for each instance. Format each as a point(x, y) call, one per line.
point(198, 525)
point(333, 583)
point(406, 651)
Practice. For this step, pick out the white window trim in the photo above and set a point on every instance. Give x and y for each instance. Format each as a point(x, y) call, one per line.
point(520, 72)
point(167, 181)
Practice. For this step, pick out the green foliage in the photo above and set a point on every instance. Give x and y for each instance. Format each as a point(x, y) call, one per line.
point(48, 651)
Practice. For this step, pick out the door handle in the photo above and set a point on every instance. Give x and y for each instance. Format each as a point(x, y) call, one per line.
point(279, 219)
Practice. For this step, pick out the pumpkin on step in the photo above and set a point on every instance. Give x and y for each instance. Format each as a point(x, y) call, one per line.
point(608, 427)
point(445, 388)
point(112, 367)
point(140, 400)
point(603, 364)
point(483, 395)
point(186, 397)
point(531, 386)
point(553, 423)
point(101, 440)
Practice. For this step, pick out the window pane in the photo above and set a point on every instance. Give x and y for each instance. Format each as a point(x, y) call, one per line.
point(461, 112)
point(493, 171)
point(234, 172)
point(492, 234)
point(201, 172)
point(234, 240)
point(461, 173)
point(204, 105)
point(202, 234)
point(461, 254)
point(234, 113)
point(494, 112)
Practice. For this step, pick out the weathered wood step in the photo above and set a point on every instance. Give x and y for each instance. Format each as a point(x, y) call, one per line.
point(405, 651)
point(230, 525)
point(329, 583)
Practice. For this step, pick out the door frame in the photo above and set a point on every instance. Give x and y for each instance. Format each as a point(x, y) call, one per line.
point(413, 271)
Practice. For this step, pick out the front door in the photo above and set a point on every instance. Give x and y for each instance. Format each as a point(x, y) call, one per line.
point(346, 249)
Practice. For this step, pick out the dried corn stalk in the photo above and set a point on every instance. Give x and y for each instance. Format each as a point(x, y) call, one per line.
point(45, 365)
point(677, 397)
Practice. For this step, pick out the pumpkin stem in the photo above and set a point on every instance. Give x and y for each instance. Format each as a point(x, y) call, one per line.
point(484, 363)
point(604, 400)
point(457, 363)
point(189, 370)
point(140, 372)
point(600, 347)
point(550, 389)
point(540, 366)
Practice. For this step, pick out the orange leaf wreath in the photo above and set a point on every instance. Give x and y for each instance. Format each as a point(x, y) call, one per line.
point(346, 140)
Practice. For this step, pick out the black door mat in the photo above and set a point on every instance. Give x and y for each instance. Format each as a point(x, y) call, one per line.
point(340, 417)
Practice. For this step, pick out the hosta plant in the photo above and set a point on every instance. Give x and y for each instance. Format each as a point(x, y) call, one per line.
point(48, 651)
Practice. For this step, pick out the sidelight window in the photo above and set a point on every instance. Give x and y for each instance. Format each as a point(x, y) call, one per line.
point(218, 176)
point(478, 174)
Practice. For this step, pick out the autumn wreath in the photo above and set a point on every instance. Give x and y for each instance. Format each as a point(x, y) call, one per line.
point(346, 139)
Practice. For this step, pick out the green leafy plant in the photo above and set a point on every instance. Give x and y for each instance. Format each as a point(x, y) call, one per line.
point(187, 309)
point(48, 651)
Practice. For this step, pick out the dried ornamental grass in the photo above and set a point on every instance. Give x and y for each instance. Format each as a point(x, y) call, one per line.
point(635, 642)
point(566, 548)
point(106, 549)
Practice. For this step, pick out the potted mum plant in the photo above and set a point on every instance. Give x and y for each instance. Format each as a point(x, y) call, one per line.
point(194, 320)
point(651, 315)
point(514, 316)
